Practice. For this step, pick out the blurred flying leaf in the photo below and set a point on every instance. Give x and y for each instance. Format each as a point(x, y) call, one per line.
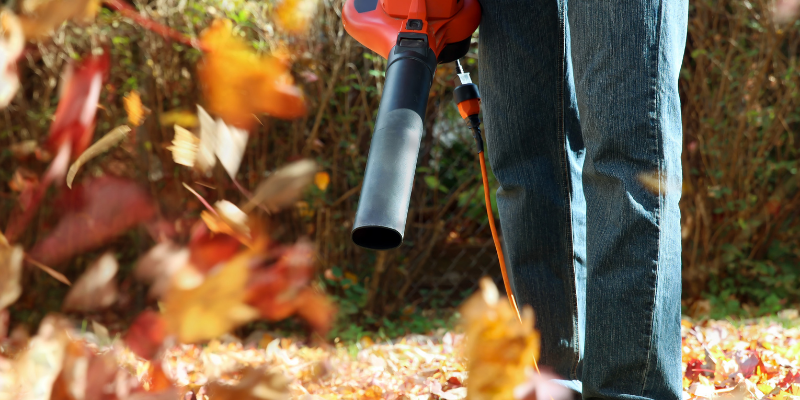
point(280, 290)
point(41, 17)
point(74, 119)
point(159, 265)
point(218, 139)
point(541, 386)
point(213, 308)
point(12, 42)
point(207, 249)
point(785, 11)
point(24, 149)
point(106, 142)
point(283, 187)
point(294, 16)
point(146, 334)
point(96, 289)
point(184, 147)
point(228, 219)
point(656, 183)
point(37, 368)
point(10, 274)
point(321, 180)
point(133, 107)
point(94, 212)
point(184, 118)
point(238, 83)
point(256, 384)
point(499, 348)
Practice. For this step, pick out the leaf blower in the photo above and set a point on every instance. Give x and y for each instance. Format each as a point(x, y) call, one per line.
point(414, 36)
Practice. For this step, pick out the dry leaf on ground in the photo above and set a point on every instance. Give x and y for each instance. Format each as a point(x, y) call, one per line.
point(238, 83)
point(255, 384)
point(96, 289)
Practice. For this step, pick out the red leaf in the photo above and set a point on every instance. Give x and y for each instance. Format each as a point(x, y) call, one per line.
point(74, 119)
point(97, 212)
point(693, 369)
point(790, 378)
point(146, 334)
point(208, 249)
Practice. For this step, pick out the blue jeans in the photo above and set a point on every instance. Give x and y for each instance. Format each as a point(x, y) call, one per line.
point(579, 99)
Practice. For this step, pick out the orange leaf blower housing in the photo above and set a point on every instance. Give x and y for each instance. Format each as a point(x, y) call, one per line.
point(414, 36)
point(448, 24)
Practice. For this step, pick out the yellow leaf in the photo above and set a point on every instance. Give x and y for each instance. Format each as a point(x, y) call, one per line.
point(238, 83)
point(184, 147)
point(214, 307)
point(229, 219)
point(179, 117)
point(499, 348)
point(322, 179)
point(294, 15)
point(133, 106)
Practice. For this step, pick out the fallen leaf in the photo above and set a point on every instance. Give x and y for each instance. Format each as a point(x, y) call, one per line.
point(96, 289)
point(321, 180)
point(133, 107)
point(256, 384)
point(12, 42)
point(42, 17)
point(106, 142)
point(283, 187)
point(95, 212)
point(184, 147)
point(80, 87)
point(213, 308)
point(146, 334)
point(295, 15)
point(238, 83)
point(10, 274)
point(183, 118)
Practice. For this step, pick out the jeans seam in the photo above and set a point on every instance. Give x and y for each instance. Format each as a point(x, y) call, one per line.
point(659, 153)
point(567, 177)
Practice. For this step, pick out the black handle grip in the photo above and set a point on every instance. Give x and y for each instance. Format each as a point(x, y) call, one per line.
point(389, 177)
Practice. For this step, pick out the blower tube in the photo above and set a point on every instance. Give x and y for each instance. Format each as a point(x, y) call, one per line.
point(389, 177)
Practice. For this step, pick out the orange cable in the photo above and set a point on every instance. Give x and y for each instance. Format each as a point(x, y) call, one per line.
point(497, 245)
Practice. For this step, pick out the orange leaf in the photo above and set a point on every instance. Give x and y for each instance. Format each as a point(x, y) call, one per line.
point(322, 179)
point(294, 15)
point(238, 83)
point(42, 17)
point(12, 42)
point(134, 109)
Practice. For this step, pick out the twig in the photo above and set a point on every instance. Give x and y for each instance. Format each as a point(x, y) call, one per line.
point(55, 274)
point(128, 11)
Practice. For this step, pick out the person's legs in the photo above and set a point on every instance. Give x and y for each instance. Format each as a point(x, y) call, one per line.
point(536, 152)
point(627, 56)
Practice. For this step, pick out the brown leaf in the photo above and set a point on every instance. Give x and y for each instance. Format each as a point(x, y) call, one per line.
point(96, 289)
point(10, 274)
point(108, 141)
point(146, 334)
point(96, 212)
point(238, 83)
point(43, 16)
point(283, 187)
point(256, 384)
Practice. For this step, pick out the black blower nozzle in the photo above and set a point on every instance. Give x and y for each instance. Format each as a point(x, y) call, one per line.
point(389, 177)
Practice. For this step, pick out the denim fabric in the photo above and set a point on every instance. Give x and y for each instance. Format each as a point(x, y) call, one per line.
point(579, 99)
